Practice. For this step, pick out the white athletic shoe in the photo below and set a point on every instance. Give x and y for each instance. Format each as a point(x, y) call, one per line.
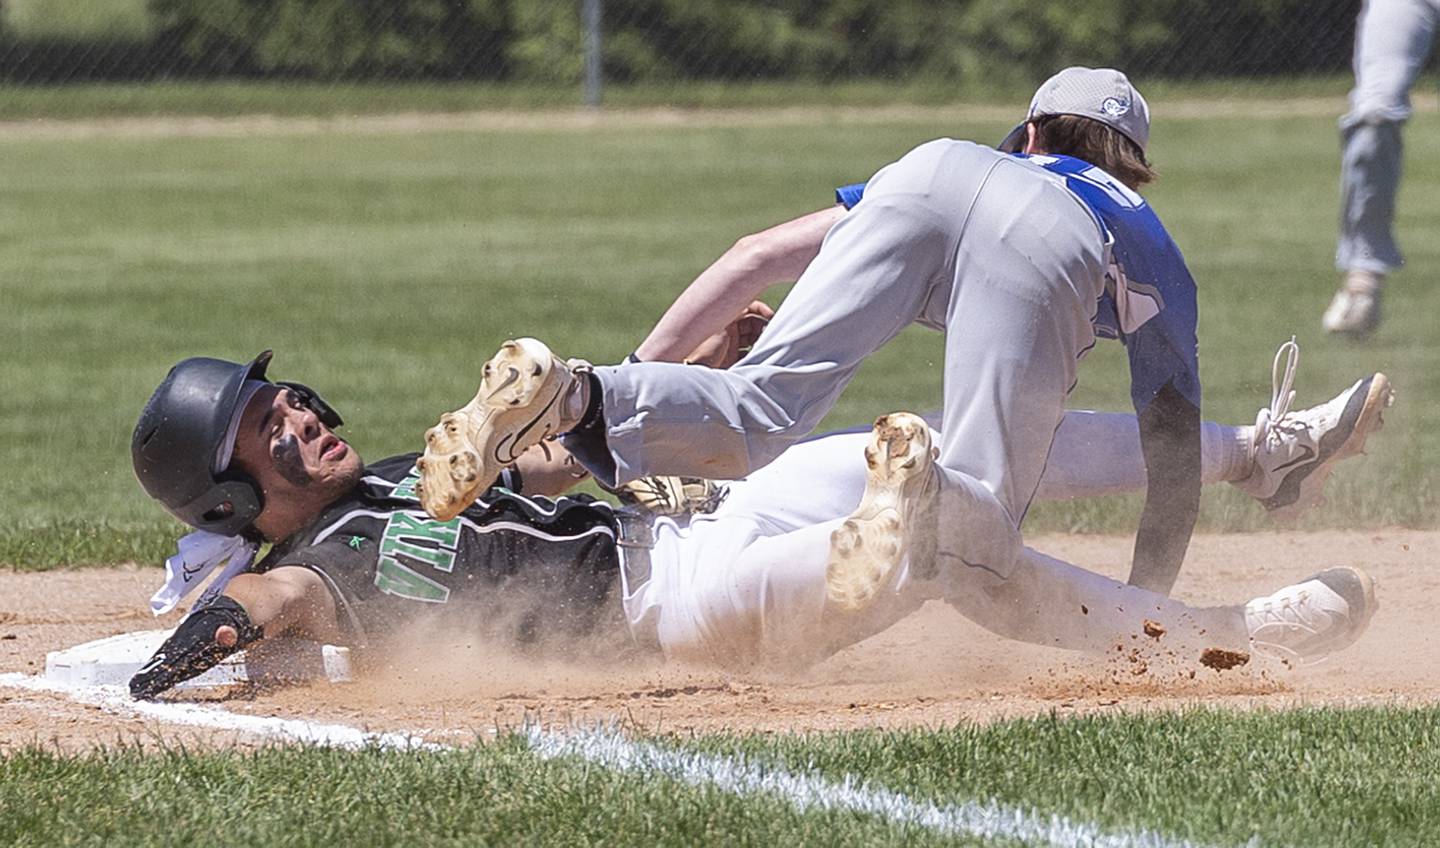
point(1293, 453)
point(522, 399)
point(1355, 309)
point(900, 488)
point(1306, 623)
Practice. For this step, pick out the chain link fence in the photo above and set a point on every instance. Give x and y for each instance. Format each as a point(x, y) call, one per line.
point(592, 48)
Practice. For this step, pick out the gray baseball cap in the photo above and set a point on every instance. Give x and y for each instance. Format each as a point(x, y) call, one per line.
point(1101, 94)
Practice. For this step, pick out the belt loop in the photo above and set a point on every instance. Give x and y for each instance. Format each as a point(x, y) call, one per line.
point(634, 530)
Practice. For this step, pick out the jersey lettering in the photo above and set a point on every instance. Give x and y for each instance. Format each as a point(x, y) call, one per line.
point(533, 559)
point(393, 578)
point(418, 540)
point(405, 489)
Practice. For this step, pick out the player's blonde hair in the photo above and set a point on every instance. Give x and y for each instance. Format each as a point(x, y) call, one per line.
point(1096, 143)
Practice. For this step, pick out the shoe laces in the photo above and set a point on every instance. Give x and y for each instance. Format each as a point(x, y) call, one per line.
point(1271, 421)
point(1287, 612)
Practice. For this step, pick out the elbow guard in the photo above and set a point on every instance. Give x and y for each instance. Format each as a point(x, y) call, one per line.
point(192, 649)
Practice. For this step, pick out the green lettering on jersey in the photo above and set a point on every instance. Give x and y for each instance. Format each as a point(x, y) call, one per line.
point(441, 558)
point(406, 488)
point(405, 526)
point(393, 578)
point(419, 540)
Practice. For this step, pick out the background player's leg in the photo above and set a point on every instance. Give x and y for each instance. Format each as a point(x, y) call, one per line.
point(1392, 42)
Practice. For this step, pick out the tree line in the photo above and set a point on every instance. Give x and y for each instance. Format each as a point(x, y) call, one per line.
point(978, 42)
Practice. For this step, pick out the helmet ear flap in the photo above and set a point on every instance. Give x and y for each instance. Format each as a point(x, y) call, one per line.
point(177, 444)
point(311, 398)
point(228, 508)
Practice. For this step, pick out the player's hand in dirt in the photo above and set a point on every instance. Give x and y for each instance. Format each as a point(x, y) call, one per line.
point(726, 347)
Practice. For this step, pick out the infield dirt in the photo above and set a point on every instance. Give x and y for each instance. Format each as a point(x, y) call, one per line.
point(934, 668)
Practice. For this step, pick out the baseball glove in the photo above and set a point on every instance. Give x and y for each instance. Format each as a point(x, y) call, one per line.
point(673, 495)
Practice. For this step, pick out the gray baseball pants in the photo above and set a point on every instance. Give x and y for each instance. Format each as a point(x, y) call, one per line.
point(991, 249)
point(1393, 40)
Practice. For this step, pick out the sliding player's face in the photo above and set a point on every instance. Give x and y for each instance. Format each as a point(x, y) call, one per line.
point(295, 459)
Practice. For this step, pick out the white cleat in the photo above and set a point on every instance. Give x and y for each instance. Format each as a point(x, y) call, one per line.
point(900, 488)
point(521, 401)
point(1306, 623)
point(1355, 309)
point(1293, 453)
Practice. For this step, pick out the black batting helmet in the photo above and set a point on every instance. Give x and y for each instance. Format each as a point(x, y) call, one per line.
point(180, 435)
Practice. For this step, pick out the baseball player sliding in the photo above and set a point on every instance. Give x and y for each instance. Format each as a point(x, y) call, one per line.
point(354, 557)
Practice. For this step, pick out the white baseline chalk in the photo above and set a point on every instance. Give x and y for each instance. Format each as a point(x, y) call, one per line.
point(115, 700)
point(989, 820)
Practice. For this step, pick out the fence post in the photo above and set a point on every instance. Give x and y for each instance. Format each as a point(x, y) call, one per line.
point(590, 22)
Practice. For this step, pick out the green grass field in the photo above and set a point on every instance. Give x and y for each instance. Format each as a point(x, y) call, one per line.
point(384, 268)
point(1309, 777)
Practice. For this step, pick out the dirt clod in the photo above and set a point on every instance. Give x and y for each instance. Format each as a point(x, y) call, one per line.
point(1153, 629)
point(1221, 659)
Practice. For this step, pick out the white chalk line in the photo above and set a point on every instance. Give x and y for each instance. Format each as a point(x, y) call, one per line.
point(989, 820)
point(115, 700)
point(608, 748)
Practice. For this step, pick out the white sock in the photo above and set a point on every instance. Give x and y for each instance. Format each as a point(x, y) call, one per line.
point(576, 402)
point(1364, 282)
point(1227, 452)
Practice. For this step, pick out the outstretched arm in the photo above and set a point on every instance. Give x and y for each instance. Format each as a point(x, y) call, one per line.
point(1170, 442)
point(290, 601)
point(739, 276)
point(548, 469)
